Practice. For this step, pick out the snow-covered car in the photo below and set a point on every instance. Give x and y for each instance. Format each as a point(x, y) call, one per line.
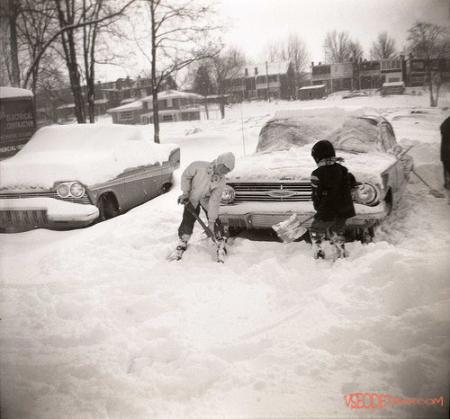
point(272, 184)
point(73, 175)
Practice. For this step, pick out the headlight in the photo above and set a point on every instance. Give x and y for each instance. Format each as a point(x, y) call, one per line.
point(365, 194)
point(76, 190)
point(228, 195)
point(63, 190)
point(70, 190)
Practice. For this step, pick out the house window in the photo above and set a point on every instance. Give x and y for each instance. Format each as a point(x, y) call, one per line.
point(169, 103)
point(126, 116)
point(167, 117)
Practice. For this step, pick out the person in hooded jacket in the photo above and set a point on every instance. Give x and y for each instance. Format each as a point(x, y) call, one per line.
point(202, 184)
point(331, 195)
point(445, 154)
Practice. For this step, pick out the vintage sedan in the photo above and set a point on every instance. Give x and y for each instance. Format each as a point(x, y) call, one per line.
point(272, 184)
point(73, 175)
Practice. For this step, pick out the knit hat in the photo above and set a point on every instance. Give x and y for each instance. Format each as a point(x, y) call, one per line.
point(227, 159)
point(322, 150)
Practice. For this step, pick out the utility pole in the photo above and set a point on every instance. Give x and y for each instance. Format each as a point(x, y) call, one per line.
point(267, 80)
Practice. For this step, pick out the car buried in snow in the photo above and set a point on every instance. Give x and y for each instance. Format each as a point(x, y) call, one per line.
point(272, 184)
point(74, 175)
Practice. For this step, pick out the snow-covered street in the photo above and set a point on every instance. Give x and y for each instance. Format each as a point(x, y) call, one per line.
point(96, 323)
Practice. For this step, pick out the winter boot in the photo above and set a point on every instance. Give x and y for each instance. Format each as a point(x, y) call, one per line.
point(182, 243)
point(316, 241)
point(338, 242)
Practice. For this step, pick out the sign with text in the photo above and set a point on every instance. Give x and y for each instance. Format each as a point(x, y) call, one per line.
point(17, 124)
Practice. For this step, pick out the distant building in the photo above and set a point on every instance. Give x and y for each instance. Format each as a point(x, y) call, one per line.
point(260, 81)
point(393, 88)
point(312, 92)
point(416, 70)
point(358, 75)
point(173, 105)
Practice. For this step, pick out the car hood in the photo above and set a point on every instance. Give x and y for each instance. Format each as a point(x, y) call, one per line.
point(40, 170)
point(44, 170)
point(297, 164)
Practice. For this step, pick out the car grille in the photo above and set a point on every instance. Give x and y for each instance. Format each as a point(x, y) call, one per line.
point(272, 192)
point(19, 195)
point(23, 218)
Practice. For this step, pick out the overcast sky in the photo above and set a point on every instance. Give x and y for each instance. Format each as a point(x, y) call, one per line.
point(253, 24)
point(257, 22)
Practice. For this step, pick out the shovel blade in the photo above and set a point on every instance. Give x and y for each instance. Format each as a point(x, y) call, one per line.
point(290, 229)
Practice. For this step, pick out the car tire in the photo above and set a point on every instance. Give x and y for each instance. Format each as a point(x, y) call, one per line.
point(107, 207)
point(165, 188)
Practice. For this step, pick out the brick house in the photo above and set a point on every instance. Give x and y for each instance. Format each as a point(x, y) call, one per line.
point(260, 81)
point(173, 106)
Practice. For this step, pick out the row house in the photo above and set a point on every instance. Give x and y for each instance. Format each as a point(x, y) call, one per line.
point(358, 75)
point(417, 70)
point(261, 81)
point(173, 105)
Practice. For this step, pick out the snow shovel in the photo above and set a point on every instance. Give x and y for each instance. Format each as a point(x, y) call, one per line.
point(292, 228)
point(432, 191)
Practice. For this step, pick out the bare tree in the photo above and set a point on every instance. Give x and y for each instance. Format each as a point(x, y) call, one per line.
point(9, 14)
point(383, 48)
point(34, 24)
point(178, 37)
point(226, 65)
point(337, 47)
point(432, 44)
point(292, 49)
point(356, 52)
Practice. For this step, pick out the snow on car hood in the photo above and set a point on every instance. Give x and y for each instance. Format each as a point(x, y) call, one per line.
point(90, 154)
point(297, 164)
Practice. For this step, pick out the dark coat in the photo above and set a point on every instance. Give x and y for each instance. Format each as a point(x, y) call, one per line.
point(331, 191)
point(445, 140)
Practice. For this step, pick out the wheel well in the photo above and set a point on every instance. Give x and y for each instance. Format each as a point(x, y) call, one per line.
point(111, 197)
point(166, 187)
point(389, 200)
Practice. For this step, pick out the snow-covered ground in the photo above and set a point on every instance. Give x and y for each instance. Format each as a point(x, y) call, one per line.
point(95, 323)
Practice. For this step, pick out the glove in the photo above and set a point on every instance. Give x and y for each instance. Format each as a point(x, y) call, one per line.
point(183, 199)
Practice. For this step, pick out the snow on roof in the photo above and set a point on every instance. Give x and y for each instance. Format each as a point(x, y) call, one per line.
point(89, 153)
point(66, 106)
point(12, 92)
point(127, 107)
point(173, 94)
point(316, 86)
point(394, 84)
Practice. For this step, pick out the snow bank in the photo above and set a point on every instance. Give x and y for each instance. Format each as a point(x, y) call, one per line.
point(96, 323)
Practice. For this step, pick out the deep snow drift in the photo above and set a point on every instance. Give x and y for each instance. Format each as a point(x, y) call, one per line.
point(95, 323)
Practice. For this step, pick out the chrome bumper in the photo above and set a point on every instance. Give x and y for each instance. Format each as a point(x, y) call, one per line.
point(28, 213)
point(258, 215)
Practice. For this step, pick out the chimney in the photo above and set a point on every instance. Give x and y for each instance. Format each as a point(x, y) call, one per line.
point(256, 71)
point(312, 63)
point(246, 71)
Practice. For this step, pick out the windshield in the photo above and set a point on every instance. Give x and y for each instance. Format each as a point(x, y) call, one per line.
point(357, 135)
point(282, 134)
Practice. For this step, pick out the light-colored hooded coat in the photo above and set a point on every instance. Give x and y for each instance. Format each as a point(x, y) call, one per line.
point(203, 186)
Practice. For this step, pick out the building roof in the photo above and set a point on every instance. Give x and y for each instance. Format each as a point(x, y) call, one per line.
point(137, 104)
point(315, 86)
point(394, 84)
point(280, 67)
point(12, 92)
point(173, 94)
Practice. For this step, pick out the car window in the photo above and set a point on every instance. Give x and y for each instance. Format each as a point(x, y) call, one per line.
point(283, 134)
point(387, 137)
point(356, 135)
